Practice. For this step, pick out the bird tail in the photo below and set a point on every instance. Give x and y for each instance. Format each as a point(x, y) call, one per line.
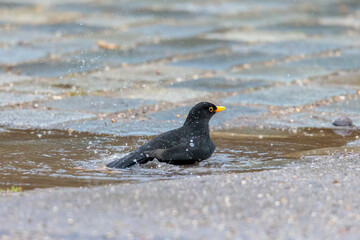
point(129, 160)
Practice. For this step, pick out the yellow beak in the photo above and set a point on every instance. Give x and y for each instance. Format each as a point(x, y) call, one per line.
point(220, 108)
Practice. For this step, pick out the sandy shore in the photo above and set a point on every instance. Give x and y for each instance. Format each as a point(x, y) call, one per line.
point(316, 200)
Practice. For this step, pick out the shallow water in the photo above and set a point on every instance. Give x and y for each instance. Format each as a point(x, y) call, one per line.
point(37, 159)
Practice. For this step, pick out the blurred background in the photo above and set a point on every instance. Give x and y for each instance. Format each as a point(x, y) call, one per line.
point(83, 82)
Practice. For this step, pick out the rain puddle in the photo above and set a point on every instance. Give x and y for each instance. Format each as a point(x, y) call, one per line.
point(37, 159)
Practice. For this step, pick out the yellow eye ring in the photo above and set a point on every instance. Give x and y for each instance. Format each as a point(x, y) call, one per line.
point(211, 109)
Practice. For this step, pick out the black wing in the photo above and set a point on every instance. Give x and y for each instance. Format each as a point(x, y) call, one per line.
point(165, 140)
point(187, 151)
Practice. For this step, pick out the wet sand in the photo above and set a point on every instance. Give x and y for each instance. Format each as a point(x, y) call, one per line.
point(315, 200)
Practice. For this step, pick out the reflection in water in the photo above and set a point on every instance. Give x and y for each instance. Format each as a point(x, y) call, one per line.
point(345, 131)
point(33, 159)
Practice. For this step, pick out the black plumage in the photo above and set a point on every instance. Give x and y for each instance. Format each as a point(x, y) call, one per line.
point(185, 145)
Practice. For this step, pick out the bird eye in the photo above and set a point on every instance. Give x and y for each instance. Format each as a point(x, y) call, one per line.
point(211, 109)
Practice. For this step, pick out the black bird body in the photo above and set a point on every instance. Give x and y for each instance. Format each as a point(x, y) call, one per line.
point(185, 145)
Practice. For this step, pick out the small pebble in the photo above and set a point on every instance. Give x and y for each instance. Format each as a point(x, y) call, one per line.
point(343, 122)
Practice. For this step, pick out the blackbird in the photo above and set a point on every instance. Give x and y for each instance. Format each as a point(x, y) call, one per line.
point(185, 145)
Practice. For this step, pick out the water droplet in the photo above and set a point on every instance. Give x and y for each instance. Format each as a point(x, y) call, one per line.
point(192, 145)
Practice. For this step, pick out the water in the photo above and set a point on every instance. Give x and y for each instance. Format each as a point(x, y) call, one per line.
point(38, 159)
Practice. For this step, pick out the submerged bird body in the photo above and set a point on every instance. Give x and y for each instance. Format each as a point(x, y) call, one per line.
point(185, 145)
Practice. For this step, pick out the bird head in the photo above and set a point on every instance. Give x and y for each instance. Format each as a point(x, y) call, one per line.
point(201, 113)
